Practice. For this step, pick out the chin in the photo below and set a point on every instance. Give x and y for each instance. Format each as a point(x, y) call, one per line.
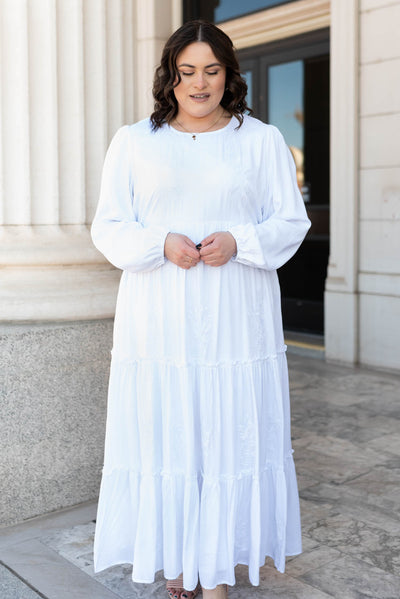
point(203, 111)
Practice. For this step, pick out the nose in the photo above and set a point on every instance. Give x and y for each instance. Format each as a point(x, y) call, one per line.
point(200, 81)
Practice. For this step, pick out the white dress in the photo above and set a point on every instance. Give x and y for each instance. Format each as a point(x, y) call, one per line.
point(198, 473)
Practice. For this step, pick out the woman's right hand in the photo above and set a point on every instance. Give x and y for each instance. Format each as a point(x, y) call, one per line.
point(181, 250)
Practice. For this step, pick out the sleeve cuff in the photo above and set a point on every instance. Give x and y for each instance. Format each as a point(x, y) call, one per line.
point(159, 235)
point(248, 245)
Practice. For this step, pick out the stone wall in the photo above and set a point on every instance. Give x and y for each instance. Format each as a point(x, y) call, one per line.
point(362, 299)
point(379, 259)
point(53, 391)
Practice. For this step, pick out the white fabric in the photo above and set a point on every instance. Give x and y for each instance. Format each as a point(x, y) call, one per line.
point(198, 473)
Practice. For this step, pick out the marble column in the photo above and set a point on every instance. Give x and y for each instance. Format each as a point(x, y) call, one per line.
point(71, 73)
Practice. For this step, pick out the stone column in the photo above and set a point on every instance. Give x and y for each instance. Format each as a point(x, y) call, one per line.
point(53, 143)
point(72, 72)
point(155, 21)
point(341, 292)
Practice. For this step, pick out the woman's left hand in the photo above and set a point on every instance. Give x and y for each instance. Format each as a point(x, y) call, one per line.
point(218, 248)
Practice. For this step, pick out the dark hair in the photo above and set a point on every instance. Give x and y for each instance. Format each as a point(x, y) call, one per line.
point(167, 75)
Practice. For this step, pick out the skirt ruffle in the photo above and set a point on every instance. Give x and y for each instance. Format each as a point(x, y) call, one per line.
point(198, 474)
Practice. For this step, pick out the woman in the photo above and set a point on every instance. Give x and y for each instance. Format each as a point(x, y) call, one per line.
point(199, 206)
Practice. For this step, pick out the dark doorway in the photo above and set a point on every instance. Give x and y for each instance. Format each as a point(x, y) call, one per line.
point(289, 87)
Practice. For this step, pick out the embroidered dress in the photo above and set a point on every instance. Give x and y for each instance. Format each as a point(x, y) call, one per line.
point(198, 473)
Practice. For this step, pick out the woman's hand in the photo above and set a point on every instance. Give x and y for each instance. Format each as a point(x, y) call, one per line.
point(218, 248)
point(181, 250)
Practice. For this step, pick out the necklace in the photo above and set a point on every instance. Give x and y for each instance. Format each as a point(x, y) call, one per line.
point(194, 134)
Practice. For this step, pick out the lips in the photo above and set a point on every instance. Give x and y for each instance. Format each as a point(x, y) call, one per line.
point(199, 97)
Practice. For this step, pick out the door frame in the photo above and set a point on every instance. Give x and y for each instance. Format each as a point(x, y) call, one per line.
point(302, 46)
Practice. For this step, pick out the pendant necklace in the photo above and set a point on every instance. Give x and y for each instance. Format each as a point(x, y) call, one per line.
point(194, 134)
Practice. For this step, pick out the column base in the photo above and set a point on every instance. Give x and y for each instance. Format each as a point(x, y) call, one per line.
point(54, 273)
point(341, 326)
point(58, 293)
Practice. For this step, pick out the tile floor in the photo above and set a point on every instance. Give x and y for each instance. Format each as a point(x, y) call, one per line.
point(346, 436)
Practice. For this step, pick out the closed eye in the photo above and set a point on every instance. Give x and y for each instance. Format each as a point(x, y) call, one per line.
point(207, 73)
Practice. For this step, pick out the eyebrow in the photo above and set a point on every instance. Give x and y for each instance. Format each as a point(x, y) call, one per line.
point(213, 64)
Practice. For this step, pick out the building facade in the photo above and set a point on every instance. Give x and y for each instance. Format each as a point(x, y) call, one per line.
point(72, 72)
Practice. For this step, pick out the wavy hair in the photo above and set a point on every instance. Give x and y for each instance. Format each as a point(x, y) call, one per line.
point(167, 76)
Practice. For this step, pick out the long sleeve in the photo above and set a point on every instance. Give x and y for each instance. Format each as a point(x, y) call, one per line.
point(272, 242)
point(115, 231)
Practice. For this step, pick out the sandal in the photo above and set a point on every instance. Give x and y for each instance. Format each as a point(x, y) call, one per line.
point(176, 591)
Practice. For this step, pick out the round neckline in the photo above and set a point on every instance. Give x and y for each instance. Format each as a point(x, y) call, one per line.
point(224, 128)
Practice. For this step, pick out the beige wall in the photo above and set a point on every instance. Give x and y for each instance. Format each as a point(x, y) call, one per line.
point(379, 183)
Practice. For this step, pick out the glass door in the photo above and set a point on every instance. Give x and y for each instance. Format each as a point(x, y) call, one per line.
point(289, 88)
point(223, 10)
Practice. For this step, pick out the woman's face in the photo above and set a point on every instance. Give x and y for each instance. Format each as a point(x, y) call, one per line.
point(202, 84)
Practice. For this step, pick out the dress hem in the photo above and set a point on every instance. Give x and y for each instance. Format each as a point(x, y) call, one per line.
point(238, 563)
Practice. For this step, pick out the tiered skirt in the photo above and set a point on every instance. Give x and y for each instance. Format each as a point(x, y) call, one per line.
point(199, 474)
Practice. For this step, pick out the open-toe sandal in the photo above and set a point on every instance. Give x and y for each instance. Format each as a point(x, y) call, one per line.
point(176, 591)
